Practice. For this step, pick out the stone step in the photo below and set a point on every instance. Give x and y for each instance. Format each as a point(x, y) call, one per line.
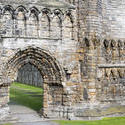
point(37, 123)
point(27, 117)
point(9, 119)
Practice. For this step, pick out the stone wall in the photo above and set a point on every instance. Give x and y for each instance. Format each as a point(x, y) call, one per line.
point(101, 18)
point(46, 38)
point(102, 75)
point(113, 19)
point(78, 49)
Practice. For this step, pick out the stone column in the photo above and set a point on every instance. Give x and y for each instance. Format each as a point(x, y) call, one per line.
point(114, 51)
point(91, 74)
point(4, 99)
point(90, 66)
point(45, 99)
point(121, 50)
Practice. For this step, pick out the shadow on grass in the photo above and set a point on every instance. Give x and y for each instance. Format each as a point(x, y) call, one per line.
point(26, 95)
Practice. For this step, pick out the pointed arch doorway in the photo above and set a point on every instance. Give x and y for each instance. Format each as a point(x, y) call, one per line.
point(50, 71)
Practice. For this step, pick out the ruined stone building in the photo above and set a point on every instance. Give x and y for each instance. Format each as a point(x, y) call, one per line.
point(78, 48)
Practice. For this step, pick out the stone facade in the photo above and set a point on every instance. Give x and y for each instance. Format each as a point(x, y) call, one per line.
point(77, 46)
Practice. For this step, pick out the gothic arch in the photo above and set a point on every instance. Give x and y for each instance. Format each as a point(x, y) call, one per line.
point(58, 12)
point(86, 42)
point(68, 25)
point(20, 21)
point(113, 44)
point(35, 11)
point(46, 11)
point(47, 64)
point(21, 9)
point(56, 21)
point(32, 22)
point(106, 43)
point(8, 8)
point(7, 20)
point(50, 71)
point(44, 24)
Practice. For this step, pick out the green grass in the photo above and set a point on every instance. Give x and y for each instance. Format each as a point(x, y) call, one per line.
point(7, 124)
point(26, 95)
point(105, 121)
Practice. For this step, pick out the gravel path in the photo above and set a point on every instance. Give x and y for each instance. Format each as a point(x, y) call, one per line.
point(36, 123)
point(22, 115)
point(27, 116)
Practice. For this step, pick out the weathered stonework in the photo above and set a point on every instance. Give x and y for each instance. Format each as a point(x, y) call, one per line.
point(80, 58)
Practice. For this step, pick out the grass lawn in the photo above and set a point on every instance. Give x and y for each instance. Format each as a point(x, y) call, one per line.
point(7, 124)
point(26, 95)
point(105, 121)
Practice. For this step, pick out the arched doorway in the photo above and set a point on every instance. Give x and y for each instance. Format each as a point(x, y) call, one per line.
point(49, 69)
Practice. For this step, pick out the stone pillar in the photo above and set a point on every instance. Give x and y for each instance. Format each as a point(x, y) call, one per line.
point(89, 70)
point(4, 99)
point(45, 99)
point(121, 51)
point(114, 51)
point(91, 74)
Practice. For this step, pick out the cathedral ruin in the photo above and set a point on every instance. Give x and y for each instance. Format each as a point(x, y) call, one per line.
point(78, 47)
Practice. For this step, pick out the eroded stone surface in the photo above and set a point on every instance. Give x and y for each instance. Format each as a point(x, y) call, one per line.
point(78, 51)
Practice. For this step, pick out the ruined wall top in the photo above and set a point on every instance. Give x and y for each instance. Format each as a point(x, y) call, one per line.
point(45, 3)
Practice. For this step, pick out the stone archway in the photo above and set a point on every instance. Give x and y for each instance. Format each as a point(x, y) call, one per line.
point(50, 71)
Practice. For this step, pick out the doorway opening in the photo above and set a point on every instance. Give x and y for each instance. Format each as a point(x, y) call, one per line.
point(27, 90)
point(45, 69)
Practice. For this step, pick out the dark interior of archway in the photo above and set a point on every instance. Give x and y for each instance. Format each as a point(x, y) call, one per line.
point(29, 74)
point(27, 89)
